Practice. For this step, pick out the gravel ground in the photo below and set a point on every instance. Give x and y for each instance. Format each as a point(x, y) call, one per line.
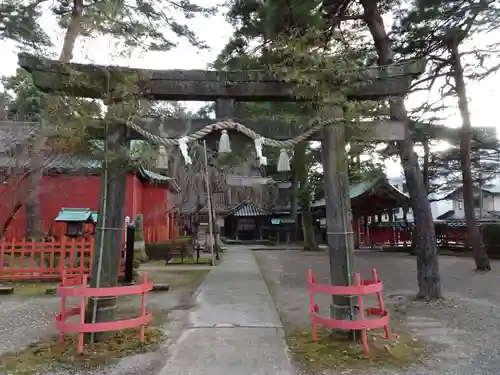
point(462, 331)
point(26, 320)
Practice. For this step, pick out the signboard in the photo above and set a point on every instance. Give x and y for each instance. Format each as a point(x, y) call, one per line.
point(283, 220)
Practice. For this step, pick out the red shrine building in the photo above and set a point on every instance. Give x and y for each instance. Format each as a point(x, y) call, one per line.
point(373, 204)
point(73, 181)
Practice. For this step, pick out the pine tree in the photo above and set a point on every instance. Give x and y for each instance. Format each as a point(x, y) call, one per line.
point(19, 22)
point(152, 25)
point(368, 13)
point(285, 36)
point(263, 23)
point(442, 31)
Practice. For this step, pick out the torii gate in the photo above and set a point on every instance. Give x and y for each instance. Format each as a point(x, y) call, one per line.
point(223, 87)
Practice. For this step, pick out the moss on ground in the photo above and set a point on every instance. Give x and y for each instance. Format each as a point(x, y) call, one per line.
point(337, 352)
point(185, 279)
point(29, 289)
point(191, 261)
point(51, 354)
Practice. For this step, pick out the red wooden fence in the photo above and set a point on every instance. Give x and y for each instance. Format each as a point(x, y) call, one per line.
point(362, 288)
point(76, 286)
point(21, 260)
point(152, 233)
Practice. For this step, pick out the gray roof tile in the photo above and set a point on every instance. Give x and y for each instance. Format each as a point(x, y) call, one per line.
point(15, 133)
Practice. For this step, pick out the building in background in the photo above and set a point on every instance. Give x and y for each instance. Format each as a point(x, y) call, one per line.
point(72, 180)
point(438, 207)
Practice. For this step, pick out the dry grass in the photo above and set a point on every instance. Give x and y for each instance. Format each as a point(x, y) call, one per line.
point(53, 355)
point(337, 352)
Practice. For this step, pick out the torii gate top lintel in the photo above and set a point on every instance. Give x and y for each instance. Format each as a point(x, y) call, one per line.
point(372, 83)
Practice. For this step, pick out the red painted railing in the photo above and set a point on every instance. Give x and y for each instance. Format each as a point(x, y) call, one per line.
point(363, 288)
point(47, 259)
point(76, 286)
point(387, 236)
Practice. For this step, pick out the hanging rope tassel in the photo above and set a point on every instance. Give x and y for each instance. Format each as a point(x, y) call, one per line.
point(283, 162)
point(162, 159)
point(184, 149)
point(258, 150)
point(224, 145)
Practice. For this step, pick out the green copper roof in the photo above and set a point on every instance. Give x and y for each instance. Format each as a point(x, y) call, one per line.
point(158, 178)
point(94, 216)
point(356, 190)
point(74, 214)
point(360, 188)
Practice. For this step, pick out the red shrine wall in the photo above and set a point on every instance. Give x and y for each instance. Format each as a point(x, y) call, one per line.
point(58, 191)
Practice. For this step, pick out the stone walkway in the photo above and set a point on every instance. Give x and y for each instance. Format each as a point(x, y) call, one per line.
point(236, 328)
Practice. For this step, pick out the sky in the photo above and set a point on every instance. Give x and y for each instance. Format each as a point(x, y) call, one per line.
point(484, 96)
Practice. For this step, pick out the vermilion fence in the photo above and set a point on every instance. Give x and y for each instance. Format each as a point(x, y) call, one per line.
point(76, 286)
point(47, 259)
point(362, 288)
point(387, 236)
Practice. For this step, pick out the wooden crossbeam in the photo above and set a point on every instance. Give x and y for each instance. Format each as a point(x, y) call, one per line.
point(92, 81)
point(383, 130)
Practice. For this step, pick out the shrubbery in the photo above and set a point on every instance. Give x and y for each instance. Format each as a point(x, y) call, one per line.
point(161, 250)
point(491, 238)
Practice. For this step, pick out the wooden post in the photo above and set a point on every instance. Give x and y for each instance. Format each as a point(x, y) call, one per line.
point(129, 255)
point(224, 108)
point(338, 217)
point(356, 229)
point(110, 221)
point(367, 231)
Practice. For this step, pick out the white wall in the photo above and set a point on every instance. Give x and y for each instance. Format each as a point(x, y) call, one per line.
point(438, 208)
point(490, 203)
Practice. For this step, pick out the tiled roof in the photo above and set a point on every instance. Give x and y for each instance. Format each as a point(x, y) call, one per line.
point(459, 223)
point(247, 209)
point(54, 162)
point(159, 179)
point(447, 215)
point(356, 190)
point(15, 133)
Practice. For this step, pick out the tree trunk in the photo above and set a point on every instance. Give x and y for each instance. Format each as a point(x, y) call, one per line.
point(304, 197)
point(34, 228)
point(338, 218)
point(72, 31)
point(429, 284)
point(425, 176)
point(215, 231)
point(473, 233)
point(425, 167)
point(12, 214)
point(110, 223)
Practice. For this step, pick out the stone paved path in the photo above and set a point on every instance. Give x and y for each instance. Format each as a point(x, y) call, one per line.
point(236, 328)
